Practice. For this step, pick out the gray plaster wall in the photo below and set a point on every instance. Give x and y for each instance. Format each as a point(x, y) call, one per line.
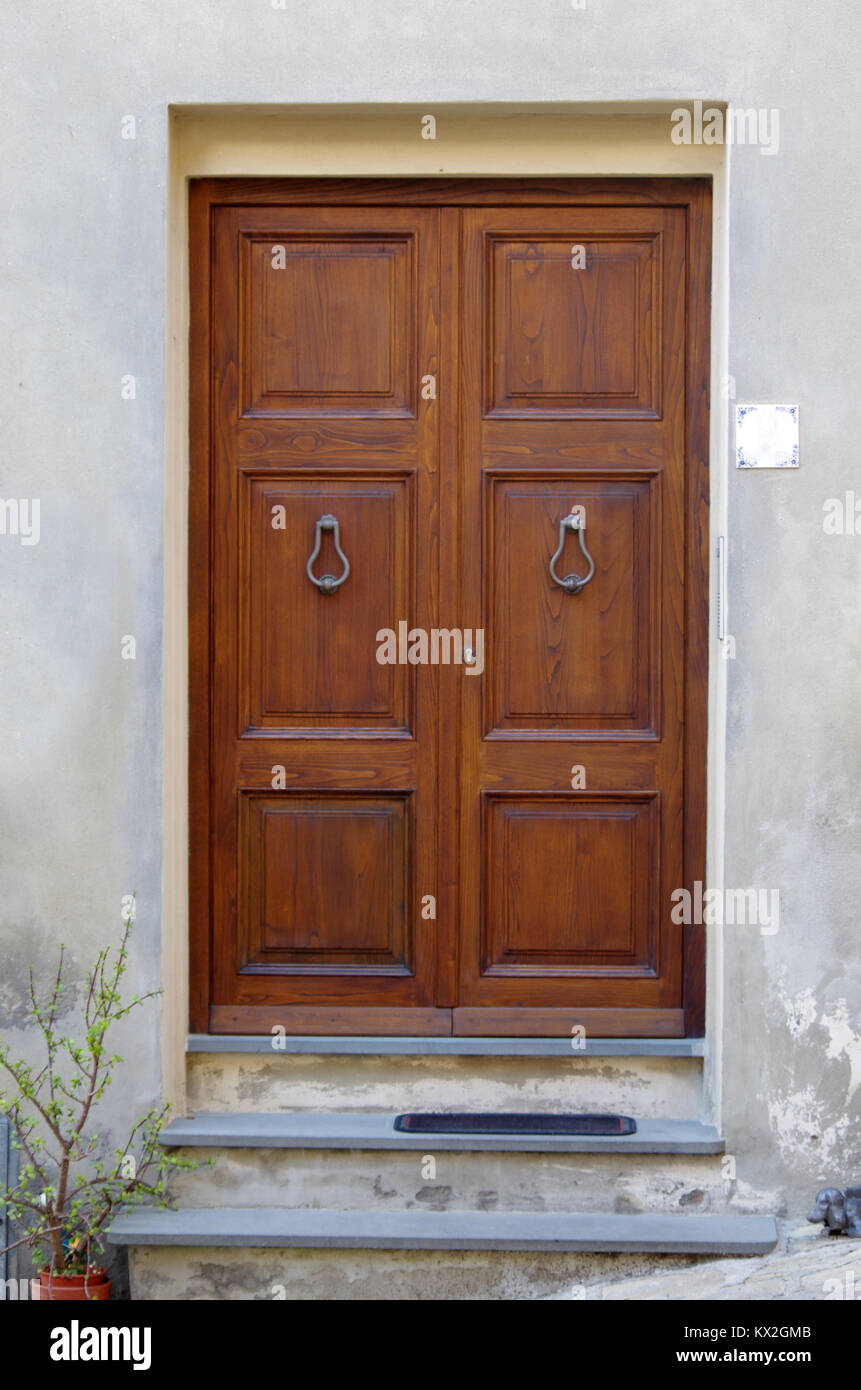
point(83, 249)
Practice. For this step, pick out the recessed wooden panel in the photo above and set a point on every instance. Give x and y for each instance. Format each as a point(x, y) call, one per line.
point(561, 662)
point(310, 658)
point(570, 884)
point(518, 1021)
point(568, 340)
point(329, 325)
point(324, 883)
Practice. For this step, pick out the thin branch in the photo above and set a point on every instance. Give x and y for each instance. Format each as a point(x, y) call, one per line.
point(30, 1239)
point(34, 1101)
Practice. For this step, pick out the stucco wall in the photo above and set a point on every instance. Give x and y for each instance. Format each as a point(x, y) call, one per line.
point(85, 303)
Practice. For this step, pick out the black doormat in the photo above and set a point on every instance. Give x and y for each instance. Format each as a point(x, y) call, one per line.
point(516, 1124)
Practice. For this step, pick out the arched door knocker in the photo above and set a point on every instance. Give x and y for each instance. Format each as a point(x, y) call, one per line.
point(327, 584)
point(572, 583)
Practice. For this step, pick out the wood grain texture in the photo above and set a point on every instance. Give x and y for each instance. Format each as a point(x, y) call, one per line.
point(453, 192)
point(697, 370)
point(556, 387)
point(328, 319)
point(325, 884)
point(200, 914)
point(323, 798)
point(559, 666)
point(571, 677)
point(569, 890)
point(304, 659)
point(450, 677)
point(375, 1020)
point(572, 345)
point(526, 1022)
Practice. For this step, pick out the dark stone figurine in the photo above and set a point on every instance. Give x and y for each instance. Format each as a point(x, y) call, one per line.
point(839, 1212)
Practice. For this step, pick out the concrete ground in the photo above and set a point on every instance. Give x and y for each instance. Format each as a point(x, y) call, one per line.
point(807, 1265)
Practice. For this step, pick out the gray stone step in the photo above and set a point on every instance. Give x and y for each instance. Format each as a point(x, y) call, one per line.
point(358, 1161)
point(445, 1230)
point(358, 1130)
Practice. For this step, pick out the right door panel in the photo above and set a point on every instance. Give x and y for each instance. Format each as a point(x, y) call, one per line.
point(573, 394)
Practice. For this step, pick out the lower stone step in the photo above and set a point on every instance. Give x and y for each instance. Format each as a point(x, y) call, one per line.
point(261, 1227)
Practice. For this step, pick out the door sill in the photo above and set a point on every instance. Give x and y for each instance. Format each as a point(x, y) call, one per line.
point(447, 1046)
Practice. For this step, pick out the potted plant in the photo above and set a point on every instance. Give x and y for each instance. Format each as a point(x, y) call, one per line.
point(70, 1186)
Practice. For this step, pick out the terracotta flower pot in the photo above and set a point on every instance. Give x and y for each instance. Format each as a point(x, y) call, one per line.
point(71, 1288)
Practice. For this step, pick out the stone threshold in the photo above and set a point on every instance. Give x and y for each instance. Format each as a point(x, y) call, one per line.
point(448, 1047)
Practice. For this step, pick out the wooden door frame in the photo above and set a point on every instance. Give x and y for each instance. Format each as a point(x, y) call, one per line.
point(695, 195)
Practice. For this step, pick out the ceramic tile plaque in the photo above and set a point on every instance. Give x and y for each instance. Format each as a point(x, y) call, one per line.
point(766, 436)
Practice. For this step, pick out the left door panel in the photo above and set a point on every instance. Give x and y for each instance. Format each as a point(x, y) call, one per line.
point(322, 762)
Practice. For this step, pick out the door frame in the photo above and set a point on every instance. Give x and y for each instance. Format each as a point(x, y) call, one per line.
point(695, 194)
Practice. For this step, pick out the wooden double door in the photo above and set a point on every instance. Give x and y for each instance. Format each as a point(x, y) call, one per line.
point(406, 399)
